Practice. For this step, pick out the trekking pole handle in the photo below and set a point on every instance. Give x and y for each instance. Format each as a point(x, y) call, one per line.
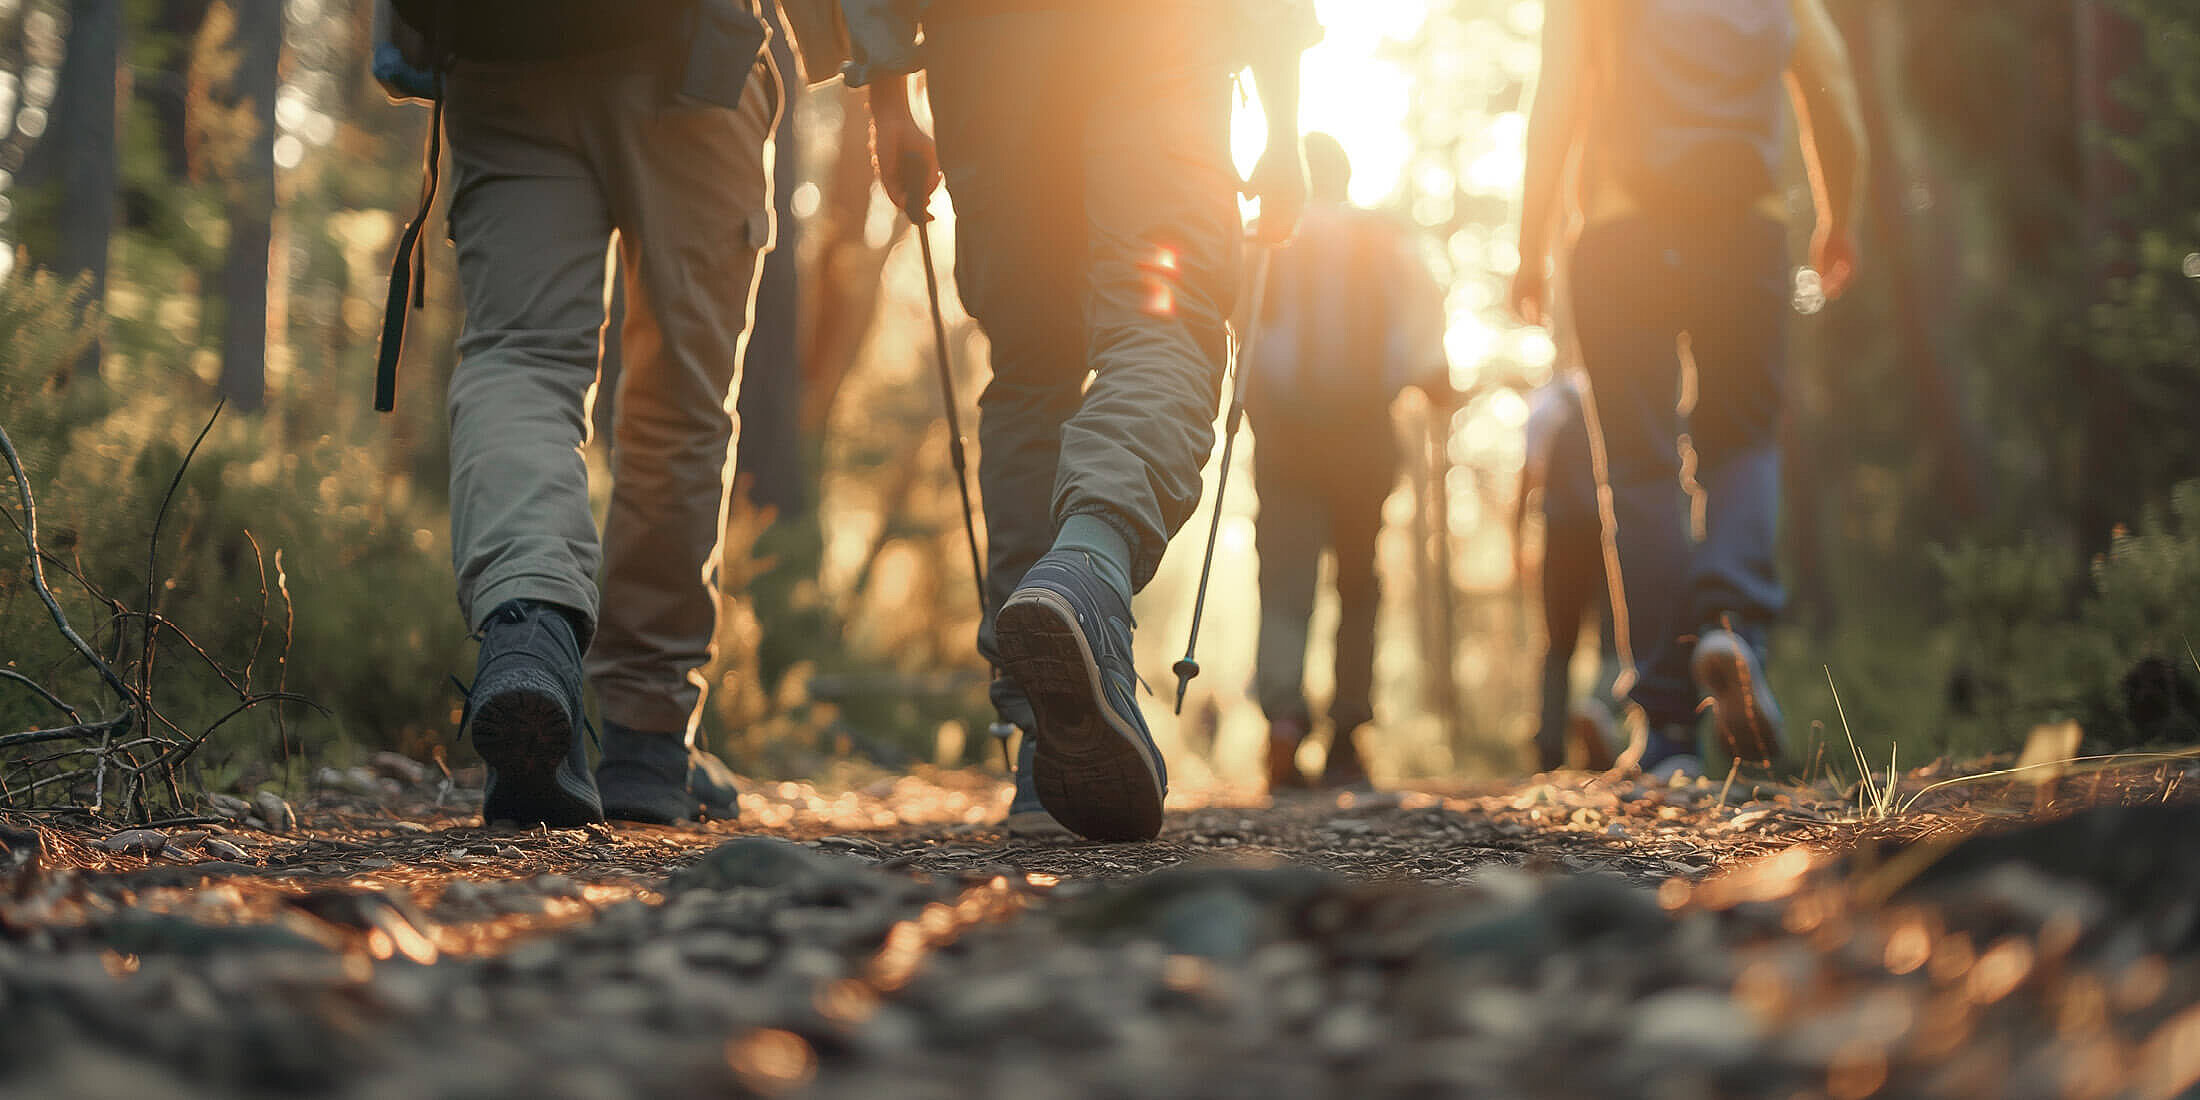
point(916, 198)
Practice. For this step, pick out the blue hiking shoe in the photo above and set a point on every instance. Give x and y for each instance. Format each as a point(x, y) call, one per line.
point(524, 712)
point(1742, 707)
point(659, 779)
point(1065, 638)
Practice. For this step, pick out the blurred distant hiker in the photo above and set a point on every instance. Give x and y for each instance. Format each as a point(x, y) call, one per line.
point(569, 121)
point(1667, 113)
point(1353, 316)
point(1558, 481)
point(1097, 236)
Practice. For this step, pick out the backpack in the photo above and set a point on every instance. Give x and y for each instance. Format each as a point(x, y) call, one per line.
point(1330, 327)
point(1695, 99)
point(532, 30)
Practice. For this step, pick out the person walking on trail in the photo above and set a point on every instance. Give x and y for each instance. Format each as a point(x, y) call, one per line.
point(1086, 148)
point(569, 122)
point(1558, 481)
point(1665, 115)
point(1352, 317)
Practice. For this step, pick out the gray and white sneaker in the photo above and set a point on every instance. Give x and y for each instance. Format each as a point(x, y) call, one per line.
point(1065, 638)
point(1742, 707)
point(524, 713)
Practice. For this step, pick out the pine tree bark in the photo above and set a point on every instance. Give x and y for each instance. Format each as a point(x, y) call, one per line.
point(79, 153)
point(1959, 472)
point(2108, 46)
point(250, 207)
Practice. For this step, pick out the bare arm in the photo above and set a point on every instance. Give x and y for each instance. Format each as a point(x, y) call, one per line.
point(1279, 178)
point(1276, 77)
point(1830, 115)
point(1554, 136)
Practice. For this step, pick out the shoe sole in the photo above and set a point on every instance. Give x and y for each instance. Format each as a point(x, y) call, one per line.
point(1098, 779)
point(523, 732)
point(1034, 825)
point(1748, 731)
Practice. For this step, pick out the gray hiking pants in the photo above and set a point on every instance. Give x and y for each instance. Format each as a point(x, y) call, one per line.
point(550, 159)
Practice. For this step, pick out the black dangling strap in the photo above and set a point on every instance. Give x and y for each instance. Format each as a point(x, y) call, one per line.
point(409, 268)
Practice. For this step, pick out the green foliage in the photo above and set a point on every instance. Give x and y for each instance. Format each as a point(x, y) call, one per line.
point(2065, 246)
point(2056, 262)
point(2013, 652)
point(42, 332)
point(2009, 620)
point(2122, 665)
point(2145, 330)
point(293, 563)
point(1891, 677)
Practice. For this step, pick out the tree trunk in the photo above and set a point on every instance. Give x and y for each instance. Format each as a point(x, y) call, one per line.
point(79, 155)
point(838, 313)
point(2107, 48)
point(774, 457)
point(164, 92)
point(1942, 413)
point(770, 452)
point(159, 88)
point(250, 207)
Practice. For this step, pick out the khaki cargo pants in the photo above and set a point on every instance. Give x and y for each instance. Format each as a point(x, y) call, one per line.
point(549, 160)
point(1097, 242)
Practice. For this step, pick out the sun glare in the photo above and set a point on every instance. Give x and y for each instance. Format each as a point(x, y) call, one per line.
point(1353, 90)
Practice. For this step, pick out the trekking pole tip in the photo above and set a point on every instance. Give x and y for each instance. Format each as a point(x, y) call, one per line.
point(1186, 671)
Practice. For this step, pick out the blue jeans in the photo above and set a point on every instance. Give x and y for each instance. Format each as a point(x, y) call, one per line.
point(1639, 285)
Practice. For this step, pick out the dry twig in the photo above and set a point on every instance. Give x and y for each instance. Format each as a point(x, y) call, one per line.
point(161, 744)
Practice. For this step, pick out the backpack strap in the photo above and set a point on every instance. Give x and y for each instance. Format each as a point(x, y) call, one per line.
point(409, 268)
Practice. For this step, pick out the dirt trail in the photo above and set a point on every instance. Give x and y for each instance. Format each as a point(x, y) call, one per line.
point(1567, 936)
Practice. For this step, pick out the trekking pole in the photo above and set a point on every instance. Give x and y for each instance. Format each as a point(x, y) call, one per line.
point(1188, 667)
point(913, 170)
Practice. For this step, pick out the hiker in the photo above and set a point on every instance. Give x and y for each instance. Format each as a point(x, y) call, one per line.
point(1086, 148)
point(1558, 482)
point(1659, 122)
point(1353, 317)
point(569, 122)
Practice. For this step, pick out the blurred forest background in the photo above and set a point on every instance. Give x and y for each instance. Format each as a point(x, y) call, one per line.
point(1985, 532)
